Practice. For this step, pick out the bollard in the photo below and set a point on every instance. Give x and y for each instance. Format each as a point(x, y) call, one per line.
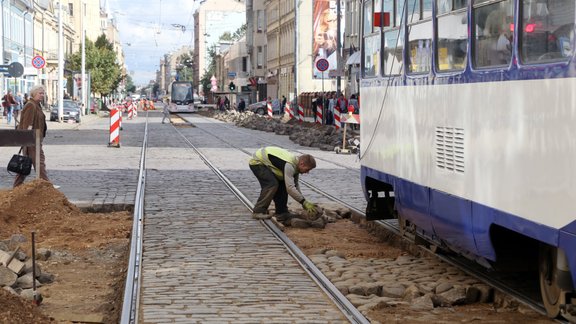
point(289, 111)
point(300, 113)
point(337, 117)
point(319, 110)
point(269, 106)
point(114, 128)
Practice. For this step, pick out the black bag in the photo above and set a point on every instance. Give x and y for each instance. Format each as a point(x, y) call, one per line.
point(20, 164)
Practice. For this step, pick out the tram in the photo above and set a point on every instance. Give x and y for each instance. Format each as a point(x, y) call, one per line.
point(468, 115)
point(181, 97)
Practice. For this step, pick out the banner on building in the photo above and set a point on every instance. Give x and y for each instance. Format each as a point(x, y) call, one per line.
point(324, 29)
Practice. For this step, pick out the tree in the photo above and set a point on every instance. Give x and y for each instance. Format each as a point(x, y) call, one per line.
point(129, 85)
point(105, 72)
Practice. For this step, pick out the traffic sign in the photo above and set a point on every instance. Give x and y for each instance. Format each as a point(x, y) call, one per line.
point(322, 65)
point(38, 62)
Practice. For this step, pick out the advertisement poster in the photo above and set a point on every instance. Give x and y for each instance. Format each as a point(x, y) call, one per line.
point(324, 28)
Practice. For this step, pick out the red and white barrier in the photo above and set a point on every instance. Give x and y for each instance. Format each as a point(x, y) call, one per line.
point(114, 128)
point(319, 110)
point(300, 113)
point(288, 109)
point(269, 106)
point(337, 117)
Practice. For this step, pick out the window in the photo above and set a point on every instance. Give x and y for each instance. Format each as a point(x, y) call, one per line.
point(244, 64)
point(393, 46)
point(547, 32)
point(367, 27)
point(260, 20)
point(259, 57)
point(452, 36)
point(493, 33)
point(420, 47)
point(372, 55)
point(71, 9)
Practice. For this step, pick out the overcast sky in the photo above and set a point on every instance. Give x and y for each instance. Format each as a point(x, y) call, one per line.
point(149, 29)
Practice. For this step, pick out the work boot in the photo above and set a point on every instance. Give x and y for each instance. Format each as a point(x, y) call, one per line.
point(261, 216)
point(285, 216)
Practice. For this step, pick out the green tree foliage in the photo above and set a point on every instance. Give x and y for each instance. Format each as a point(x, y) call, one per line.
point(129, 87)
point(185, 62)
point(105, 72)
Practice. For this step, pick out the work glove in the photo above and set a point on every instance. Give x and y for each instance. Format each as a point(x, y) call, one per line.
point(309, 207)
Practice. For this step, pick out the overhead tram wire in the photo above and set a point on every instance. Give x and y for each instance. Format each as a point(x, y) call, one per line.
point(390, 77)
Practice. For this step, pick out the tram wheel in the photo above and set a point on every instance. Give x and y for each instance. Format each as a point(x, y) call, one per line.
point(552, 294)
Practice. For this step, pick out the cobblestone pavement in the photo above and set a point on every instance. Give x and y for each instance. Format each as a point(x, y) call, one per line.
point(205, 259)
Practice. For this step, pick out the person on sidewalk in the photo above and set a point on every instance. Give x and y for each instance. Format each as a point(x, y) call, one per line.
point(277, 171)
point(9, 104)
point(166, 113)
point(32, 117)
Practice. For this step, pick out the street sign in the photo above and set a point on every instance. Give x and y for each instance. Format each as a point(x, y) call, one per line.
point(15, 69)
point(322, 65)
point(231, 75)
point(38, 62)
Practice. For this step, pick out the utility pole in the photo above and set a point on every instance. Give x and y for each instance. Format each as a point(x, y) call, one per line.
point(83, 76)
point(338, 49)
point(295, 109)
point(60, 64)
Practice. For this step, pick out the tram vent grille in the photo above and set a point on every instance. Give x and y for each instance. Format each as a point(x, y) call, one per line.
point(450, 149)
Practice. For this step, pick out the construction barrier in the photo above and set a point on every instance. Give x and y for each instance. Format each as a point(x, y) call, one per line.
point(120, 112)
point(269, 106)
point(337, 117)
point(114, 128)
point(300, 113)
point(289, 111)
point(319, 111)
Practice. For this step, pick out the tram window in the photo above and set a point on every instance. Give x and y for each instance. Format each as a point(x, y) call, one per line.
point(413, 11)
point(372, 55)
point(368, 12)
point(547, 32)
point(400, 8)
point(493, 34)
point(445, 6)
point(393, 47)
point(452, 41)
point(426, 9)
point(420, 47)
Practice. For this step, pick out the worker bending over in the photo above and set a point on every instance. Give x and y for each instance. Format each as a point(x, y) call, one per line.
point(277, 170)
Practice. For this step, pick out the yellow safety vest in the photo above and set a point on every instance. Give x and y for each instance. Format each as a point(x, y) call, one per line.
point(260, 157)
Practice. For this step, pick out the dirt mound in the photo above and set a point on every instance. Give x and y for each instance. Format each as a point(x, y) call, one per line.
point(89, 253)
point(37, 206)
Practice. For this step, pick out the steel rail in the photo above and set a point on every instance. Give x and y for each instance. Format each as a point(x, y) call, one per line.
point(131, 301)
point(393, 228)
point(351, 312)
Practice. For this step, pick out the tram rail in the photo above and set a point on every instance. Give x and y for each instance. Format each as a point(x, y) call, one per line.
point(393, 227)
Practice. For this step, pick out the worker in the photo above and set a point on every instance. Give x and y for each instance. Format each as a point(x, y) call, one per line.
point(277, 170)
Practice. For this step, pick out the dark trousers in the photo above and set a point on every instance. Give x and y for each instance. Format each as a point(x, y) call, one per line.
point(272, 189)
point(31, 152)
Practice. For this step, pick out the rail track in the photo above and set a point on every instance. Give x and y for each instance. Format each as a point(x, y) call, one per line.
point(511, 285)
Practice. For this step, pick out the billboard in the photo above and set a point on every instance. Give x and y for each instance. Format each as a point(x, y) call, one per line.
point(324, 29)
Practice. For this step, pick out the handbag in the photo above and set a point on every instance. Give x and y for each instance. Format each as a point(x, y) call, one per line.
point(20, 164)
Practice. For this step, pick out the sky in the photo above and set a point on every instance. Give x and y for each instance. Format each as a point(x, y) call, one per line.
point(149, 29)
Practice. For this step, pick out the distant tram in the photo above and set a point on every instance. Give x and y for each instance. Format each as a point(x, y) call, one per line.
point(468, 114)
point(181, 97)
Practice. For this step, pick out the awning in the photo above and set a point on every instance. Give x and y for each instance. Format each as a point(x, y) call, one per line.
point(354, 59)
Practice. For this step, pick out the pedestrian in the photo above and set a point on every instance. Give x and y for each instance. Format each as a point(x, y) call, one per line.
point(277, 171)
point(315, 103)
point(33, 117)
point(242, 105)
point(166, 114)
point(283, 104)
point(9, 104)
point(330, 110)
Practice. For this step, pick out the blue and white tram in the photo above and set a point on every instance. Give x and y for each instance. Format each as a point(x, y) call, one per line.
point(468, 114)
point(181, 97)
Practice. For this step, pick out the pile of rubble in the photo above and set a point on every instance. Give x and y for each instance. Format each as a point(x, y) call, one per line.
point(324, 137)
point(16, 269)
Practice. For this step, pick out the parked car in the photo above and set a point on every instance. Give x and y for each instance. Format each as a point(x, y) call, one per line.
point(260, 108)
point(71, 111)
